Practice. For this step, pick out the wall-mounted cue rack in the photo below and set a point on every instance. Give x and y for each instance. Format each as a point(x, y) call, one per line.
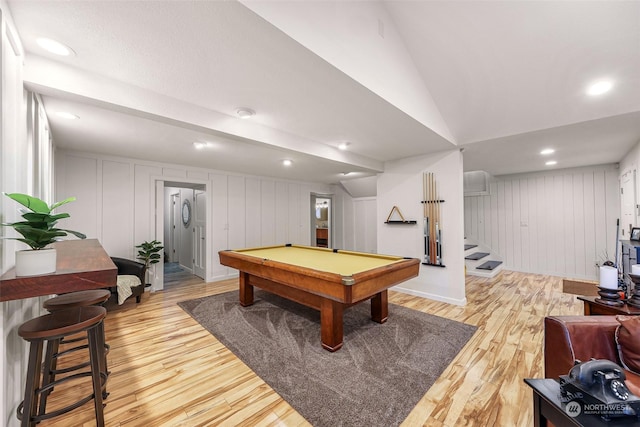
point(432, 228)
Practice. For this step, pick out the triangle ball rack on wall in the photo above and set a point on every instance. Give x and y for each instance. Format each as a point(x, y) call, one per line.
point(401, 221)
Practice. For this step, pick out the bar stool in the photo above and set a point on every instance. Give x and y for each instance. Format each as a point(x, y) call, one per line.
point(62, 302)
point(51, 328)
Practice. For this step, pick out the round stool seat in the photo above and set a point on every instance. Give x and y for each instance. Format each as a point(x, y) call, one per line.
point(77, 299)
point(50, 329)
point(61, 323)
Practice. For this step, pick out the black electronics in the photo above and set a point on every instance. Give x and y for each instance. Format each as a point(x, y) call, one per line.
point(599, 386)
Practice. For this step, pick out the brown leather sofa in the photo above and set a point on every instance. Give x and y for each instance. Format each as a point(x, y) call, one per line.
point(571, 338)
point(134, 268)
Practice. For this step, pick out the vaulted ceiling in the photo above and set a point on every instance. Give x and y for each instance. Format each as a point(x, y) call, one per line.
point(394, 79)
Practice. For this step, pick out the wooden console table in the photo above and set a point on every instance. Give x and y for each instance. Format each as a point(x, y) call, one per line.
point(593, 308)
point(81, 265)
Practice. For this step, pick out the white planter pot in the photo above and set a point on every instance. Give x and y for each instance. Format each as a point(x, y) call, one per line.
point(33, 263)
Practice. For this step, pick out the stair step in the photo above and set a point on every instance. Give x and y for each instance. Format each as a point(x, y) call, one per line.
point(489, 265)
point(467, 247)
point(476, 256)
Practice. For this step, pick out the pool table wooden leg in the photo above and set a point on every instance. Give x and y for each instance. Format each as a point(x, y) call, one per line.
point(331, 324)
point(380, 307)
point(246, 290)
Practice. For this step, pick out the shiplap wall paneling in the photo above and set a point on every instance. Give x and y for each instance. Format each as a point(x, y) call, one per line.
point(365, 238)
point(144, 196)
point(293, 207)
point(81, 178)
point(219, 221)
point(237, 210)
point(268, 213)
point(253, 202)
point(600, 217)
point(282, 213)
point(560, 224)
point(612, 208)
point(117, 209)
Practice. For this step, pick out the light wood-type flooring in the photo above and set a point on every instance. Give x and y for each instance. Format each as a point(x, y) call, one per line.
point(166, 370)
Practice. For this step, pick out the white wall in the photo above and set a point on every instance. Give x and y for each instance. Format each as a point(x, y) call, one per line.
point(557, 222)
point(630, 162)
point(21, 142)
point(245, 210)
point(401, 186)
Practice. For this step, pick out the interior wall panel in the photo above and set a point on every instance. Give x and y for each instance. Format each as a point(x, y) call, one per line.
point(219, 221)
point(559, 223)
point(236, 208)
point(268, 213)
point(282, 213)
point(117, 202)
point(253, 203)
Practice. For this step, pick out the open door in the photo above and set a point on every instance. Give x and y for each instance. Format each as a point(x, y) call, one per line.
point(321, 220)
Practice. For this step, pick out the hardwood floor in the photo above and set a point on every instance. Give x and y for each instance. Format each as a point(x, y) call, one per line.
point(167, 370)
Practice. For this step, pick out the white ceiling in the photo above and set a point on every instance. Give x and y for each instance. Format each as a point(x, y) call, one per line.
point(396, 79)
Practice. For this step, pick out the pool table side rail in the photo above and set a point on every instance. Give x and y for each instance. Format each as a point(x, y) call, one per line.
point(329, 285)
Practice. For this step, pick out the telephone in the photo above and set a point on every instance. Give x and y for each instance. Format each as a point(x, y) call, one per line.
point(599, 382)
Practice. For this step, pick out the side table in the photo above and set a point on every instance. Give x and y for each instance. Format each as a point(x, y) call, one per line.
point(548, 407)
point(592, 308)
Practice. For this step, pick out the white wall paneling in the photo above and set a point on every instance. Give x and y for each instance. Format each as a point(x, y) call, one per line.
point(294, 214)
point(237, 209)
point(365, 235)
point(245, 210)
point(117, 202)
point(558, 222)
point(219, 222)
point(25, 167)
point(268, 213)
point(253, 222)
point(282, 213)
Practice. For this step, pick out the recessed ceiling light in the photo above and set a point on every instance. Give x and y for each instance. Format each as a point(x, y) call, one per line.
point(54, 47)
point(343, 145)
point(598, 88)
point(67, 115)
point(245, 113)
point(287, 162)
point(547, 151)
point(200, 145)
point(551, 163)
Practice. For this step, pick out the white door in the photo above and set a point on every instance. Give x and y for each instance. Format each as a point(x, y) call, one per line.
point(199, 230)
point(628, 196)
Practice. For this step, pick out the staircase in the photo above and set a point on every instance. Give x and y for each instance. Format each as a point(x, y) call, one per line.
point(479, 261)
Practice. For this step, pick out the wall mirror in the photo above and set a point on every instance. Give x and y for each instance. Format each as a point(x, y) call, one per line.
point(186, 212)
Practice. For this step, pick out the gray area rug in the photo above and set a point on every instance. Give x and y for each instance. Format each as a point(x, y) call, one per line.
point(375, 379)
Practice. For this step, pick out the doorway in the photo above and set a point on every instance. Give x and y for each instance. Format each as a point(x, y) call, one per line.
point(184, 233)
point(321, 220)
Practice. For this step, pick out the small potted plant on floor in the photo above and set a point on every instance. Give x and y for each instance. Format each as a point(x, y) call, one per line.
point(148, 253)
point(38, 231)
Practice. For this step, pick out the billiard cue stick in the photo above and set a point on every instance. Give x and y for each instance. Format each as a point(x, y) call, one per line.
point(435, 218)
point(426, 217)
point(437, 225)
point(432, 255)
point(428, 202)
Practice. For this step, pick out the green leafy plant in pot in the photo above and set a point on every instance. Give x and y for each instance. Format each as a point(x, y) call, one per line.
point(148, 253)
point(38, 230)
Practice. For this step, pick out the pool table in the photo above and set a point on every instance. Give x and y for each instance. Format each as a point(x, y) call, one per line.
point(329, 280)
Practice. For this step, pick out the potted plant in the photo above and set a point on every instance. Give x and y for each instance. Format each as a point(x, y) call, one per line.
point(38, 231)
point(148, 253)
